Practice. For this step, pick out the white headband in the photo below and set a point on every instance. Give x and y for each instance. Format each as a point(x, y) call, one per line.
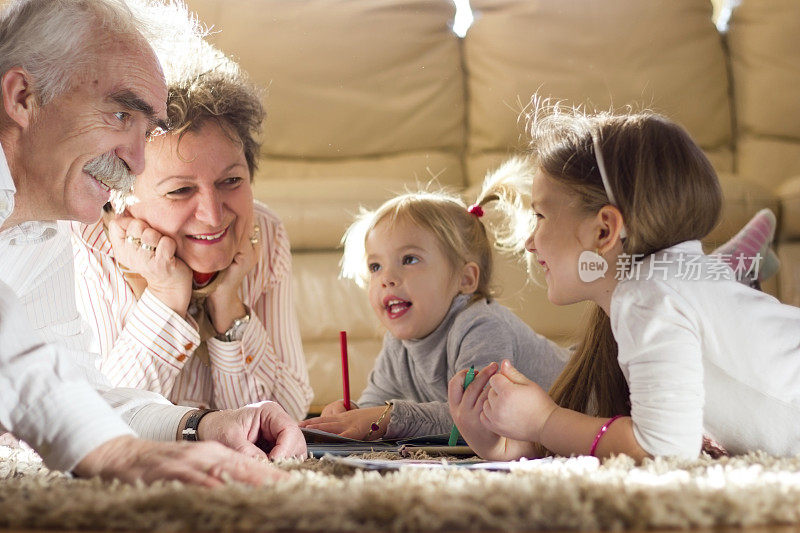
point(598, 155)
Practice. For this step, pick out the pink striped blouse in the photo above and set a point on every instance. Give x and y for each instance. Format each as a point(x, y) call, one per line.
point(144, 344)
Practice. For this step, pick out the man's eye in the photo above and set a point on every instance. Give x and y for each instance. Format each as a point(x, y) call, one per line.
point(122, 116)
point(538, 216)
point(410, 259)
point(374, 267)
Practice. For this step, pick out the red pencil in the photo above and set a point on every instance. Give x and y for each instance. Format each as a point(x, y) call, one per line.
point(345, 371)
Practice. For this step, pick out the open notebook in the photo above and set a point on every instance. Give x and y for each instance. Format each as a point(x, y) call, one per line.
point(321, 442)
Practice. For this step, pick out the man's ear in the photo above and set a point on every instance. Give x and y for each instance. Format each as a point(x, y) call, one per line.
point(470, 275)
point(19, 101)
point(609, 227)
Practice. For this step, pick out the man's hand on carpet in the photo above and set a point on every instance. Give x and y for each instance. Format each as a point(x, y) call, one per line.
point(265, 424)
point(199, 463)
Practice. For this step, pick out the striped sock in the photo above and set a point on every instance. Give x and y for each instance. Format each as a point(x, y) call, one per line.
point(753, 241)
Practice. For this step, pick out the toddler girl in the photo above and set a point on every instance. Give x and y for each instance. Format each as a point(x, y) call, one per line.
point(427, 262)
point(676, 346)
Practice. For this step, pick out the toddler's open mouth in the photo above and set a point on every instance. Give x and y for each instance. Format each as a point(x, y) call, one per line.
point(396, 307)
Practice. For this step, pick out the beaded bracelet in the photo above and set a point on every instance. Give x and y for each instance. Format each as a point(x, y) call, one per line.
point(601, 433)
point(375, 426)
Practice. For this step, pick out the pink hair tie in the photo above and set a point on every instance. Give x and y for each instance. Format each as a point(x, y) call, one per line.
point(601, 433)
point(476, 210)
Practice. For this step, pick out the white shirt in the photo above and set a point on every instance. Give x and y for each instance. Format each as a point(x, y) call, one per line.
point(36, 262)
point(145, 344)
point(44, 397)
point(701, 351)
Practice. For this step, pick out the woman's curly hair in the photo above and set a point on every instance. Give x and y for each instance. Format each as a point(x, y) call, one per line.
point(219, 91)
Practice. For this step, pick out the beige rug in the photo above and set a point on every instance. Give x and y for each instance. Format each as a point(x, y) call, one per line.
point(755, 490)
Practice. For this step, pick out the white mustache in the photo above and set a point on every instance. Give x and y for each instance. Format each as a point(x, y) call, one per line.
point(111, 170)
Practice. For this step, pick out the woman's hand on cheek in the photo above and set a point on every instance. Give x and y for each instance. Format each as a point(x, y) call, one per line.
point(354, 424)
point(147, 252)
point(224, 304)
point(515, 406)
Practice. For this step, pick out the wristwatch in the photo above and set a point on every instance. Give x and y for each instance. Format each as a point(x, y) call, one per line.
point(236, 331)
point(193, 422)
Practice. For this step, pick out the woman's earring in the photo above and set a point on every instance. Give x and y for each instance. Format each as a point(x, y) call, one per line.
point(255, 236)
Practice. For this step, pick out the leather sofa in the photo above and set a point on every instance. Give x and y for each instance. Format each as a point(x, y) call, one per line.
point(368, 97)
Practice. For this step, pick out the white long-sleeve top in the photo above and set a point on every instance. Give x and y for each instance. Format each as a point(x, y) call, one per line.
point(702, 351)
point(44, 398)
point(36, 263)
point(145, 344)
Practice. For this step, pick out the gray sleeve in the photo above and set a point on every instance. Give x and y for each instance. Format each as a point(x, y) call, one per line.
point(494, 338)
point(541, 361)
point(478, 341)
point(411, 419)
point(472, 341)
point(383, 379)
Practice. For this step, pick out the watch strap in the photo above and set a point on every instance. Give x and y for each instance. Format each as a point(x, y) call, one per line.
point(189, 431)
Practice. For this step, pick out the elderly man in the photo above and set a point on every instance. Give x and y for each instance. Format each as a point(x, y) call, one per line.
point(81, 89)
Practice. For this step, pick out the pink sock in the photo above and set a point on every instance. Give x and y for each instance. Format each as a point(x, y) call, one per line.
point(751, 242)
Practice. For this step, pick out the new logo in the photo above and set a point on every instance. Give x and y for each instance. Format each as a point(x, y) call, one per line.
point(591, 266)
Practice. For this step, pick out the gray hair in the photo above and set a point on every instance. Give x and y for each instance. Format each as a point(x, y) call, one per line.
point(54, 39)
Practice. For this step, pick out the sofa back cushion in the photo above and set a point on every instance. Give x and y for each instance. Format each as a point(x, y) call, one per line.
point(765, 62)
point(665, 55)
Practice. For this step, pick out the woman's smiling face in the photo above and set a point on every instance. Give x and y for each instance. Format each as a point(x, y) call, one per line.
point(197, 191)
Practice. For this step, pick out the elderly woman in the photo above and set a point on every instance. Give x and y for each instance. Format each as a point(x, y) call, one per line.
point(189, 290)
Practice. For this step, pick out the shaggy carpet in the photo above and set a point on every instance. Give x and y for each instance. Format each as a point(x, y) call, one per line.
point(320, 495)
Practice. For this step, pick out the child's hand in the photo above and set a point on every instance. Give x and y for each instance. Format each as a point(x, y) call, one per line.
point(354, 424)
point(465, 408)
point(337, 407)
point(515, 406)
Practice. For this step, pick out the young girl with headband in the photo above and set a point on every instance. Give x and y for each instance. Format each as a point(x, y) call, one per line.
point(427, 262)
point(676, 347)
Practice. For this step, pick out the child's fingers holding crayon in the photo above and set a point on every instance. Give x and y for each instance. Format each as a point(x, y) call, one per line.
point(337, 407)
point(455, 388)
point(473, 393)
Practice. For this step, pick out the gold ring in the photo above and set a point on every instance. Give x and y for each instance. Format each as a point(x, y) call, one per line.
point(133, 240)
point(147, 247)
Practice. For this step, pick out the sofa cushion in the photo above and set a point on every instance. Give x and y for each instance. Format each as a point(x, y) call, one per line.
point(742, 200)
point(767, 160)
point(665, 55)
point(789, 274)
point(317, 199)
point(339, 83)
point(789, 194)
point(766, 70)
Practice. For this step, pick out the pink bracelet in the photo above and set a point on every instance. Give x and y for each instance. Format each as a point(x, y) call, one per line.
point(601, 433)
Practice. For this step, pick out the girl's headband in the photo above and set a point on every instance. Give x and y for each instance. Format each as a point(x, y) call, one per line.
point(598, 155)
